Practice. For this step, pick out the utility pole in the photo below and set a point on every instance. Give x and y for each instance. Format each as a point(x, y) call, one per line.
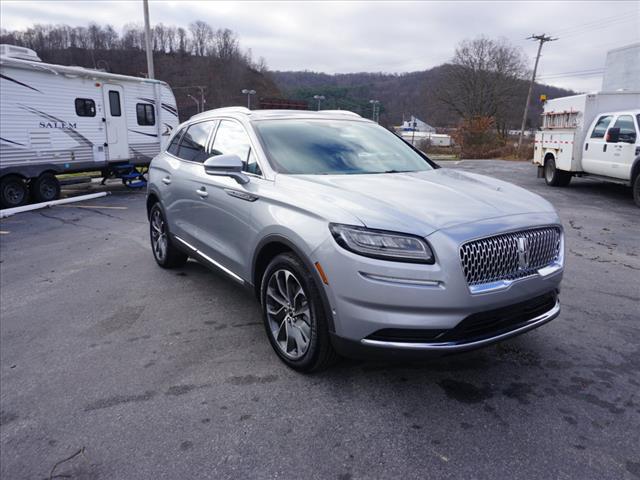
point(541, 39)
point(147, 40)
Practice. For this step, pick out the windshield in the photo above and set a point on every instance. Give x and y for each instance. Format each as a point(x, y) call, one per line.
point(336, 147)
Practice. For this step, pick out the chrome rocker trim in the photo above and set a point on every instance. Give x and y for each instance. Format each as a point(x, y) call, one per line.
point(460, 347)
point(210, 260)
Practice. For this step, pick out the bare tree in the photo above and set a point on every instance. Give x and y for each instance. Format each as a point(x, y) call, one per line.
point(482, 79)
point(227, 46)
point(201, 34)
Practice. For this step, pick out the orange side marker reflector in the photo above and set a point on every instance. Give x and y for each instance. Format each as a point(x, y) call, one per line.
point(324, 278)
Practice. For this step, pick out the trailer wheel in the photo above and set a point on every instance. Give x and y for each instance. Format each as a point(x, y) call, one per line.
point(45, 188)
point(553, 176)
point(14, 191)
point(636, 190)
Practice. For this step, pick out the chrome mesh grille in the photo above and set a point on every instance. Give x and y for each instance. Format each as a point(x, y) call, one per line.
point(499, 257)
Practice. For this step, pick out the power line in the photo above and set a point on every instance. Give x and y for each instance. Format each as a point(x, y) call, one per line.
point(541, 39)
point(600, 21)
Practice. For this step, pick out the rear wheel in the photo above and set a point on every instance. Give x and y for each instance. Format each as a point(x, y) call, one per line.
point(45, 188)
point(294, 316)
point(636, 190)
point(167, 255)
point(13, 191)
point(555, 177)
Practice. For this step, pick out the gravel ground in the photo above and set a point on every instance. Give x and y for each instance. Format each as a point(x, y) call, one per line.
point(168, 374)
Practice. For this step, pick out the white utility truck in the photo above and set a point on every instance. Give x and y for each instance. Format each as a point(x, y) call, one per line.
point(57, 119)
point(595, 135)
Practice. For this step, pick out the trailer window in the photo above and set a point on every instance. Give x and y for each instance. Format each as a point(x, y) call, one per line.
point(85, 107)
point(601, 127)
point(193, 145)
point(146, 114)
point(114, 103)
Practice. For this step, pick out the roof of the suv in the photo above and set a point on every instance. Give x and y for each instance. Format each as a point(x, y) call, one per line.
point(273, 114)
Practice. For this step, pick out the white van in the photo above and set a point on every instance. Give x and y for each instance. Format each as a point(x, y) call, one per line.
point(57, 119)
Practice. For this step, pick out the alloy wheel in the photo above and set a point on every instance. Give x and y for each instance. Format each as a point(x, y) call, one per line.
point(158, 235)
point(288, 313)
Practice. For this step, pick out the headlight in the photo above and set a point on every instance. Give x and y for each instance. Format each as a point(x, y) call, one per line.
point(380, 244)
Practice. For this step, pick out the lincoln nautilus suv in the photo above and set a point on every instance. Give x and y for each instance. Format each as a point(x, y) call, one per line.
point(354, 242)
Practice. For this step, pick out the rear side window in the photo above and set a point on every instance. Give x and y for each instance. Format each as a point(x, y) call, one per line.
point(173, 146)
point(146, 114)
point(85, 107)
point(627, 128)
point(114, 103)
point(193, 145)
point(601, 127)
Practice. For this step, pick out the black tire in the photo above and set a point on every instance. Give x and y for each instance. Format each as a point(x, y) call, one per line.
point(14, 191)
point(168, 256)
point(554, 177)
point(319, 353)
point(636, 190)
point(45, 188)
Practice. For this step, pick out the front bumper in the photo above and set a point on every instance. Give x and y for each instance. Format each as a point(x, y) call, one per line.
point(368, 296)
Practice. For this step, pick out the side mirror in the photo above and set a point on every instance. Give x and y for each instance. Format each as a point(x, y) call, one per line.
point(226, 166)
point(613, 135)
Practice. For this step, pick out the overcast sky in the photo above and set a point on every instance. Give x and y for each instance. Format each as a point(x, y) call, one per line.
point(340, 37)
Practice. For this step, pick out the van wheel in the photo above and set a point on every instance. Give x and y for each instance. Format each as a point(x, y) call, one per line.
point(167, 255)
point(636, 190)
point(554, 177)
point(13, 191)
point(45, 188)
point(294, 316)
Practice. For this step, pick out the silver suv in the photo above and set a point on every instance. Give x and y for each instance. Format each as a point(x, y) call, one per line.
point(353, 241)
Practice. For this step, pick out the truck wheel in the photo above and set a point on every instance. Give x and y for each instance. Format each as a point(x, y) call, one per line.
point(45, 188)
point(554, 177)
point(13, 191)
point(636, 190)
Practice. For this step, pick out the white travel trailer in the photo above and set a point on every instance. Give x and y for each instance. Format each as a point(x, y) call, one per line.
point(57, 119)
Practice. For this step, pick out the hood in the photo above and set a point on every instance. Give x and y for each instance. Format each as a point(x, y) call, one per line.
point(420, 202)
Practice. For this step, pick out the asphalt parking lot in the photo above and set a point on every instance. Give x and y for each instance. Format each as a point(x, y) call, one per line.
point(168, 374)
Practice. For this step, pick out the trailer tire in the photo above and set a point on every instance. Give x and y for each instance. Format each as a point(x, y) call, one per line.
point(636, 190)
point(14, 191)
point(554, 177)
point(45, 188)
point(166, 254)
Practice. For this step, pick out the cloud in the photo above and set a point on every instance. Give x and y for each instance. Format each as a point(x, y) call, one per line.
point(340, 37)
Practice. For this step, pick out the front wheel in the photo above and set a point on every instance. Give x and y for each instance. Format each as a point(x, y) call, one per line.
point(165, 252)
point(294, 316)
point(636, 190)
point(13, 191)
point(554, 177)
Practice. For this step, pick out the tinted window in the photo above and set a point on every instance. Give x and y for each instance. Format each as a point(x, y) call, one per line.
point(336, 147)
point(146, 114)
point(114, 103)
point(173, 146)
point(85, 107)
point(231, 138)
point(601, 127)
point(194, 142)
point(627, 128)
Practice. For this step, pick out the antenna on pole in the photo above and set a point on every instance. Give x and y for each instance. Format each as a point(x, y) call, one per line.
point(542, 39)
point(147, 40)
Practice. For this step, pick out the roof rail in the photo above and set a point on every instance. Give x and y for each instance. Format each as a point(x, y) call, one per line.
point(340, 112)
point(206, 113)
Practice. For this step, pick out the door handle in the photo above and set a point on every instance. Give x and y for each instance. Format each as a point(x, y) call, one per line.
point(202, 192)
point(604, 149)
point(166, 180)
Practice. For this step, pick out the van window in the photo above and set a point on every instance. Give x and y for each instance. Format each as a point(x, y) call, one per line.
point(114, 103)
point(193, 145)
point(146, 114)
point(175, 141)
point(627, 128)
point(601, 126)
point(85, 107)
point(231, 138)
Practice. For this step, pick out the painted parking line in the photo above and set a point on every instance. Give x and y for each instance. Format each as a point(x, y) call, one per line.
point(94, 206)
point(4, 232)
